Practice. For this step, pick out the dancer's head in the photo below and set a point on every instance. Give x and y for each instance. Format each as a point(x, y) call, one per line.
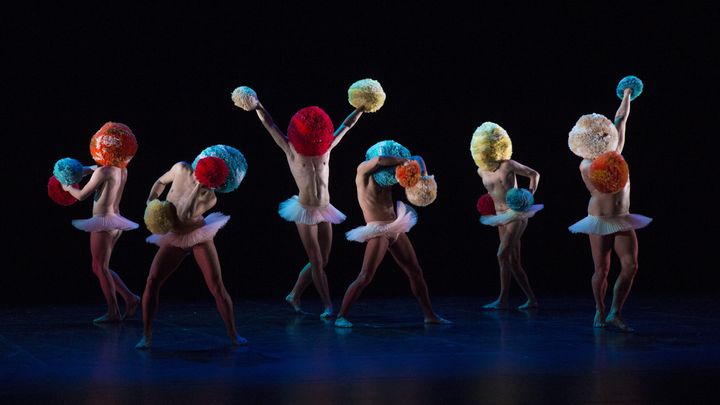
point(592, 136)
point(114, 144)
point(490, 145)
point(386, 177)
point(234, 160)
point(311, 131)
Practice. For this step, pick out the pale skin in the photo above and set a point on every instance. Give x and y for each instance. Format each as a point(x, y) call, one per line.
point(377, 205)
point(191, 201)
point(311, 174)
point(624, 243)
point(498, 182)
point(107, 184)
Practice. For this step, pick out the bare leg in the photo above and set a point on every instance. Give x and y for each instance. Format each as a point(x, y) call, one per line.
point(404, 255)
point(101, 245)
point(166, 261)
point(505, 273)
point(207, 258)
point(132, 301)
point(309, 237)
point(305, 276)
point(626, 247)
point(517, 229)
point(601, 246)
point(374, 254)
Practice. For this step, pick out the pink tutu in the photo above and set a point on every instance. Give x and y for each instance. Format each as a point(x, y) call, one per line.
point(510, 216)
point(105, 222)
point(291, 210)
point(593, 225)
point(213, 223)
point(406, 219)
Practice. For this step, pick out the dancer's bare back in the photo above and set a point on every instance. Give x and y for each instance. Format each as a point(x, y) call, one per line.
point(375, 201)
point(106, 184)
point(502, 179)
point(191, 199)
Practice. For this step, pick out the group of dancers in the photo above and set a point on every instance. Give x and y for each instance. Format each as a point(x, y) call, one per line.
point(179, 225)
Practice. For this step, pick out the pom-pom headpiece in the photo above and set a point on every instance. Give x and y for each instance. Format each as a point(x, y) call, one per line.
point(160, 217)
point(234, 160)
point(245, 98)
point(609, 172)
point(592, 136)
point(486, 205)
point(113, 144)
point(423, 193)
point(311, 131)
point(366, 94)
point(211, 172)
point(68, 171)
point(408, 173)
point(58, 195)
point(490, 144)
point(519, 199)
point(386, 177)
point(631, 82)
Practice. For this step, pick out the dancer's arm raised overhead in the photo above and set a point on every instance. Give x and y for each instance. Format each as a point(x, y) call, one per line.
point(621, 117)
point(345, 126)
point(278, 136)
point(369, 167)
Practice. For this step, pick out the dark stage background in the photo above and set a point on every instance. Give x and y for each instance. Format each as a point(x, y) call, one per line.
point(167, 71)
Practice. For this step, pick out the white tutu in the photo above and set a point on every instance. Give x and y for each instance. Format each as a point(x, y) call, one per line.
point(106, 222)
point(593, 225)
point(510, 216)
point(291, 210)
point(213, 223)
point(406, 219)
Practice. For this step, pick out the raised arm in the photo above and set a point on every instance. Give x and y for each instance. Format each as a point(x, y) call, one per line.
point(369, 167)
point(621, 117)
point(277, 135)
point(98, 177)
point(345, 126)
point(159, 186)
point(423, 167)
point(525, 171)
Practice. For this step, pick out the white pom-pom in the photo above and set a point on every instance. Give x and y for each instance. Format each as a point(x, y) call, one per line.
point(366, 94)
point(245, 98)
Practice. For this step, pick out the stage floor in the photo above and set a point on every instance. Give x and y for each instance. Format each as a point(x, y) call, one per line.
point(551, 355)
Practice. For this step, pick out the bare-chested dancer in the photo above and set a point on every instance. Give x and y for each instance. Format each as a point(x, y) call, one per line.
point(307, 148)
point(609, 225)
point(491, 149)
point(385, 231)
point(112, 147)
point(191, 234)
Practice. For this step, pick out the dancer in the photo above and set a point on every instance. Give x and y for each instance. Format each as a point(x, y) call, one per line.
point(491, 150)
point(112, 147)
point(385, 230)
point(609, 224)
point(179, 229)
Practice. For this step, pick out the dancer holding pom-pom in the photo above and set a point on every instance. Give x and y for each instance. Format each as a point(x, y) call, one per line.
point(310, 139)
point(609, 224)
point(491, 150)
point(179, 228)
point(112, 147)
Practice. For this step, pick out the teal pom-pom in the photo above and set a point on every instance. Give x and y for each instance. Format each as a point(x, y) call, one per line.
point(631, 82)
point(386, 177)
point(519, 199)
point(234, 160)
point(68, 171)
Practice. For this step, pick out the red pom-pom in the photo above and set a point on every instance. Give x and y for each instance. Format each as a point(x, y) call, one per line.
point(408, 174)
point(486, 205)
point(311, 131)
point(57, 194)
point(114, 144)
point(211, 172)
point(609, 173)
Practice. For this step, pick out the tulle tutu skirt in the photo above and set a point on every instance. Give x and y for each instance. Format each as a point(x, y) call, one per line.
point(213, 223)
point(291, 210)
point(406, 219)
point(106, 222)
point(509, 216)
point(608, 225)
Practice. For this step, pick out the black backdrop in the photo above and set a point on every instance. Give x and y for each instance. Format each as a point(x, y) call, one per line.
point(167, 71)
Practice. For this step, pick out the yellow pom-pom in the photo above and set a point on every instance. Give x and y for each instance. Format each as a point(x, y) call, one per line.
point(160, 217)
point(423, 193)
point(490, 144)
point(366, 94)
point(245, 98)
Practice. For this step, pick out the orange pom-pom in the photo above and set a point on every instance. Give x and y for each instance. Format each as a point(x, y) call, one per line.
point(609, 173)
point(113, 145)
point(408, 174)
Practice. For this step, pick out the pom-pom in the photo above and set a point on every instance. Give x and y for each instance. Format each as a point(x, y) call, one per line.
point(311, 131)
point(58, 195)
point(113, 144)
point(629, 82)
point(211, 172)
point(486, 205)
point(160, 217)
point(245, 98)
point(386, 177)
point(519, 199)
point(408, 173)
point(423, 193)
point(490, 144)
point(234, 160)
point(366, 94)
point(68, 171)
point(609, 172)
point(592, 136)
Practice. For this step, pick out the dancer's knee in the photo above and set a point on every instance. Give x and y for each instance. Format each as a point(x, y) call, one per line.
point(602, 269)
point(629, 266)
point(364, 278)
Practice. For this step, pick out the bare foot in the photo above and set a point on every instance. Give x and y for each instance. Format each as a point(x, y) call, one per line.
point(497, 304)
point(144, 343)
point(341, 322)
point(530, 304)
point(436, 320)
point(131, 307)
point(238, 341)
point(295, 302)
point(599, 321)
point(328, 313)
point(615, 320)
point(107, 318)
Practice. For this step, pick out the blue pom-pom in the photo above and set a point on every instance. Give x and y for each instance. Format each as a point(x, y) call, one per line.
point(386, 177)
point(68, 171)
point(519, 199)
point(631, 82)
point(234, 160)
